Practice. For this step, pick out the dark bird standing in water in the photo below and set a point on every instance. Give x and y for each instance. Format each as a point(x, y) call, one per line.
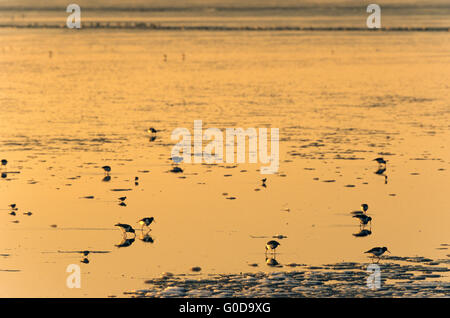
point(122, 201)
point(380, 161)
point(146, 221)
point(363, 218)
point(272, 245)
point(381, 170)
point(126, 228)
point(377, 251)
point(264, 182)
point(4, 162)
point(364, 207)
point(107, 169)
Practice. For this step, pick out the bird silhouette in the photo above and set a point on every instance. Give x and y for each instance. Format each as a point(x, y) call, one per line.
point(364, 219)
point(126, 228)
point(146, 221)
point(107, 169)
point(272, 245)
point(377, 252)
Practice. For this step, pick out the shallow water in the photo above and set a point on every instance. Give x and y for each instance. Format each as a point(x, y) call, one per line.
point(340, 100)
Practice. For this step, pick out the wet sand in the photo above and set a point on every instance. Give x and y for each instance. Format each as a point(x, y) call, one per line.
point(340, 99)
point(336, 280)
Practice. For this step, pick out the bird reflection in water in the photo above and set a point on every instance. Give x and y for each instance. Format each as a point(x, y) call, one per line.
point(146, 238)
point(363, 233)
point(264, 183)
point(126, 242)
point(381, 171)
point(272, 262)
point(85, 253)
point(126, 228)
point(106, 179)
point(364, 220)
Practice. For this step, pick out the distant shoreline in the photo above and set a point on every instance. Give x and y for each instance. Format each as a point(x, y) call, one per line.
point(152, 26)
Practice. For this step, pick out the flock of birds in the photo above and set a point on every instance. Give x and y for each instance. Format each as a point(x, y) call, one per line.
point(14, 210)
point(126, 228)
point(361, 215)
point(270, 245)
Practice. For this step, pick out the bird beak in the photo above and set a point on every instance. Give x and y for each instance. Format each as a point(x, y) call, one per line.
point(388, 251)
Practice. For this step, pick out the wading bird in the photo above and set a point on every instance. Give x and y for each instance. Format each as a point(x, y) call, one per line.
point(364, 207)
point(146, 221)
point(364, 219)
point(264, 182)
point(126, 228)
point(380, 161)
point(4, 162)
point(272, 245)
point(378, 251)
point(107, 169)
